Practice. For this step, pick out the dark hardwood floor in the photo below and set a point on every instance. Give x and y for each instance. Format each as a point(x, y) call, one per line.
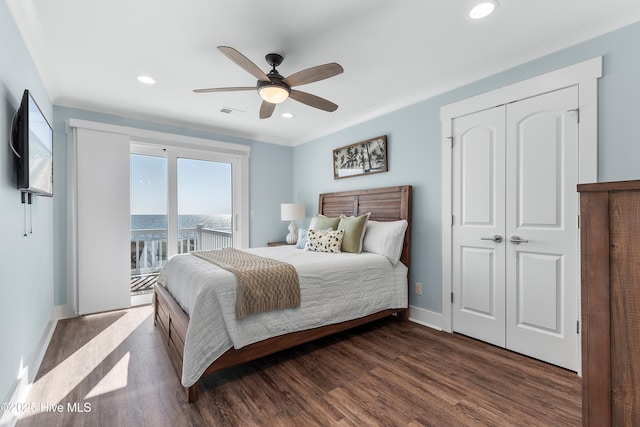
point(111, 369)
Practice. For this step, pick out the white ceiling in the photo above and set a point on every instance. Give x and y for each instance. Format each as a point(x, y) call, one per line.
point(394, 53)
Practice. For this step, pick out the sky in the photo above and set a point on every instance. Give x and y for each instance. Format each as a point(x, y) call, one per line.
point(204, 187)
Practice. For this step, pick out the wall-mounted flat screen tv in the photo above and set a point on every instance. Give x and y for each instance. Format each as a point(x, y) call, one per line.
point(32, 142)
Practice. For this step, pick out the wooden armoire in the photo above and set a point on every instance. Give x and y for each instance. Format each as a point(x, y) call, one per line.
point(610, 246)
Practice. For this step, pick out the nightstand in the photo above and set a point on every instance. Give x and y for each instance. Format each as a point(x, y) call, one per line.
point(279, 244)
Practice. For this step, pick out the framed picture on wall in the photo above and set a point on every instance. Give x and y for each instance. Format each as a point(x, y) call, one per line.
point(361, 158)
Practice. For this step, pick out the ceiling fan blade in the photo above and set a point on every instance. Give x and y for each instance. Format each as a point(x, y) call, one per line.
point(266, 109)
point(244, 63)
point(313, 101)
point(224, 89)
point(314, 74)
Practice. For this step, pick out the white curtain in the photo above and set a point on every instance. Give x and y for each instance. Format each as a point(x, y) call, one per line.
point(103, 240)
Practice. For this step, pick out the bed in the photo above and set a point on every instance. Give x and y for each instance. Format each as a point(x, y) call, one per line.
point(202, 335)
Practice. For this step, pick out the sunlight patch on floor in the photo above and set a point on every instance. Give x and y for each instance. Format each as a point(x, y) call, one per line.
point(58, 383)
point(115, 379)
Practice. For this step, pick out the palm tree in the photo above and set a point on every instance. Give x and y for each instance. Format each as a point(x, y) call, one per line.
point(352, 160)
point(377, 153)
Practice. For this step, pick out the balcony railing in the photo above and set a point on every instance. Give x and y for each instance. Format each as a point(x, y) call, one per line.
point(149, 249)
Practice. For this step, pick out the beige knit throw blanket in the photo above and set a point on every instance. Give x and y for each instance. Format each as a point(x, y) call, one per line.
point(264, 284)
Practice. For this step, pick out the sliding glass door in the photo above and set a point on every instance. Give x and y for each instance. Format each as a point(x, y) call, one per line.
point(205, 204)
point(181, 201)
point(149, 207)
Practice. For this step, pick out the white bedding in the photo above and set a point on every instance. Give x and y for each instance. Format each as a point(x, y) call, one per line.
point(333, 287)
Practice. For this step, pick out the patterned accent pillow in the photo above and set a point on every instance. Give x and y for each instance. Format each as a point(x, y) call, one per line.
point(324, 241)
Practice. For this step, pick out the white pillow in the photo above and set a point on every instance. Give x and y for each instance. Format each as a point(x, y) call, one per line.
point(385, 238)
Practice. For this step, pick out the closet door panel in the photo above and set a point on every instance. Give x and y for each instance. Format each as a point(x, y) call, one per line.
point(478, 260)
point(542, 229)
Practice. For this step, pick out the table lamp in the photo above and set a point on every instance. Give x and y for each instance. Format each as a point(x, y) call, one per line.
point(292, 212)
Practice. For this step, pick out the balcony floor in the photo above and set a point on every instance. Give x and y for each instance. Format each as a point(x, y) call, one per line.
point(143, 283)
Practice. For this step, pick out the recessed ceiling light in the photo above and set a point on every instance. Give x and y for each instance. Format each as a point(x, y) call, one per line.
point(287, 115)
point(146, 80)
point(483, 9)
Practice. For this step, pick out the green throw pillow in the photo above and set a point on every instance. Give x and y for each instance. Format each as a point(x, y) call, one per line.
point(322, 222)
point(354, 228)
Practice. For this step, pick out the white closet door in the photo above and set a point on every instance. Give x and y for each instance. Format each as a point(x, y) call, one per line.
point(103, 221)
point(479, 215)
point(542, 271)
point(514, 176)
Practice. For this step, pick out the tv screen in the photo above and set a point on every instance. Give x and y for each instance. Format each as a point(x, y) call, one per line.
point(33, 145)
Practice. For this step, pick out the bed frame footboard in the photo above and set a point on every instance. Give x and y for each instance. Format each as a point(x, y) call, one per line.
point(172, 322)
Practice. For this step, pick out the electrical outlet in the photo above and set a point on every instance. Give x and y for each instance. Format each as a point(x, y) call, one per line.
point(418, 288)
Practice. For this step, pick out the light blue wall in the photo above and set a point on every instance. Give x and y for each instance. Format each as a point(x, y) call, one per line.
point(26, 263)
point(270, 182)
point(414, 145)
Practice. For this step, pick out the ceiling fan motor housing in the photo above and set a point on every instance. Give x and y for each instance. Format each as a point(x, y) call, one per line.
point(275, 81)
point(274, 91)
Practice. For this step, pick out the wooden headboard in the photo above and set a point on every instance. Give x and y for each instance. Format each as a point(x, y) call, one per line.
point(385, 204)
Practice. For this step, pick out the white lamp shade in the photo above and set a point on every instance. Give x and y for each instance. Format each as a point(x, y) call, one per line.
point(291, 211)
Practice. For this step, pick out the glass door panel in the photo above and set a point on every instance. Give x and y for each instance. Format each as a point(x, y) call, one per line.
point(205, 205)
point(148, 219)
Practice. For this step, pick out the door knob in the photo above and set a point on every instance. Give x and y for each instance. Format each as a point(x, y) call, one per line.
point(516, 240)
point(496, 238)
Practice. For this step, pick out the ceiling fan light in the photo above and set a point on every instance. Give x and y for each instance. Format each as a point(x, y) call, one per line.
point(273, 94)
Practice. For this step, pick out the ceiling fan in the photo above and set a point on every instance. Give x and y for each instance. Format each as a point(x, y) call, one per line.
point(274, 88)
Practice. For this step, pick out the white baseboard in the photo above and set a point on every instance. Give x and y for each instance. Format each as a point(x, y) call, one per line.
point(64, 311)
point(19, 392)
point(143, 299)
point(424, 317)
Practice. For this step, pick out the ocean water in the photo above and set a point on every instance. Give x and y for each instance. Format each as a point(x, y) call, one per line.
point(156, 222)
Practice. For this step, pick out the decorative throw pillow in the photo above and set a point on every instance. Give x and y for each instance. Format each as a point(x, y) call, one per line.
point(303, 234)
point(324, 241)
point(354, 228)
point(321, 222)
point(302, 238)
point(385, 238)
